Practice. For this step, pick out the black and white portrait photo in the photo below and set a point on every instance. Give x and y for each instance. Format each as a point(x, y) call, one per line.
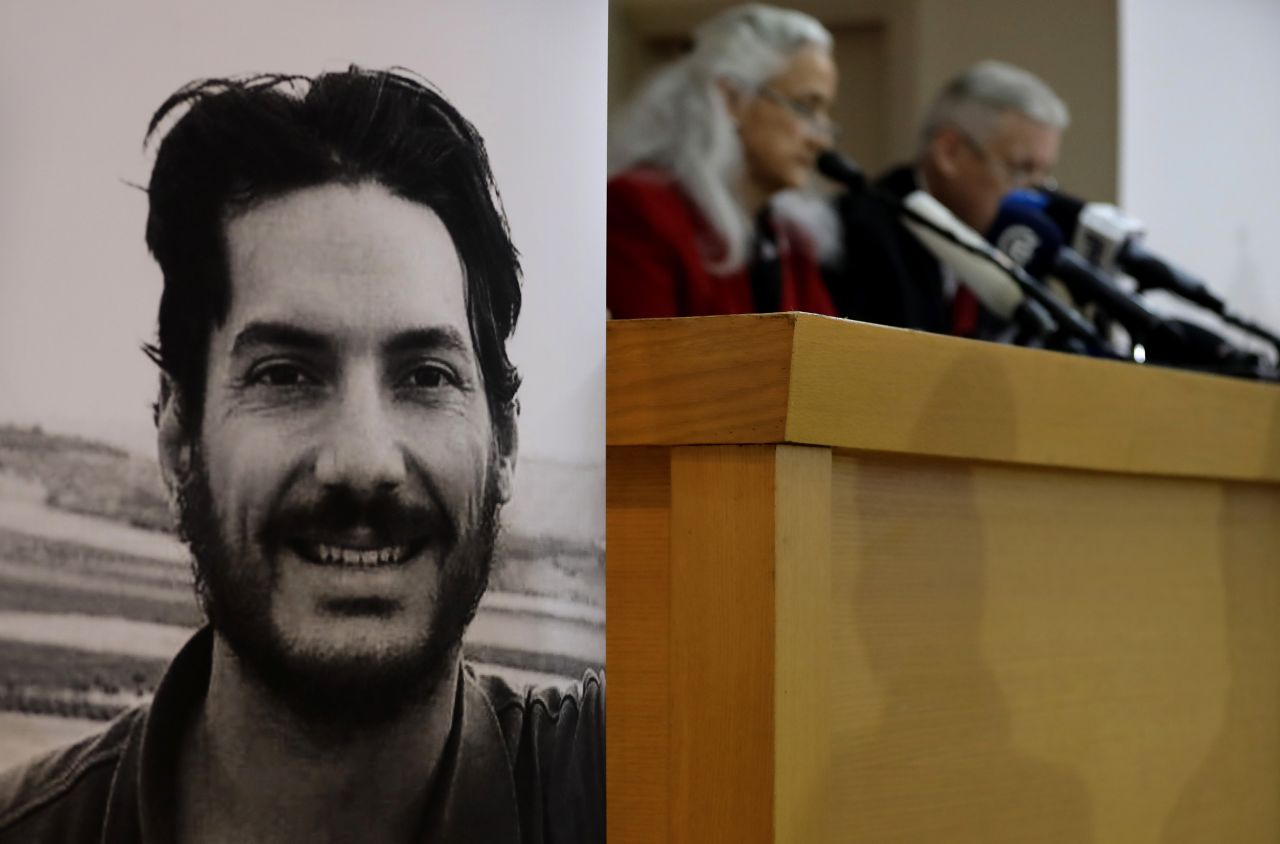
point(302, 421)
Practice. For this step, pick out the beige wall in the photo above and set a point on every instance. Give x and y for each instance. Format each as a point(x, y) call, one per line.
point(1073, 46)
point(895, 55)
point(628, 55)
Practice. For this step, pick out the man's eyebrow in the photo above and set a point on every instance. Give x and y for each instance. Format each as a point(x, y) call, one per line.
point(437, 338)
point(278, 334)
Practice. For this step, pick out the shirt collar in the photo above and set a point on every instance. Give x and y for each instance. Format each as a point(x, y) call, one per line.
point(478, 802)
point(474, 798)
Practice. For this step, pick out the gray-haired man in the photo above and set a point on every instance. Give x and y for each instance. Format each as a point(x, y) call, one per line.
point(991, 129)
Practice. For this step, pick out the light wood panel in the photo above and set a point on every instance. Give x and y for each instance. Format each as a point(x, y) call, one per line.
point(720, 591)
point(722, 621)
point(803, 644)
point(1019, 663)
point(963, 399)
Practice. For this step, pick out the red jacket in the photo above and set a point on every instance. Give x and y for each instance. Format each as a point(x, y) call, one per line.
point(658, 242)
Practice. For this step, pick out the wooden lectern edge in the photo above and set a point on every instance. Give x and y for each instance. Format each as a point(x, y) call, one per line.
point(703, 381)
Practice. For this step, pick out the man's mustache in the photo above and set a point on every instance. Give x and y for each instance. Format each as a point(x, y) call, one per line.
point(388, 516)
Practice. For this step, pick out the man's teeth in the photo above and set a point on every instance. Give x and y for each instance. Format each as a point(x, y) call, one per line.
point(359, 556)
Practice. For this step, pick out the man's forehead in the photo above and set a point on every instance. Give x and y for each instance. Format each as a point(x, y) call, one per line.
point(1017, 132)
point(344, 259)
point(297, 331)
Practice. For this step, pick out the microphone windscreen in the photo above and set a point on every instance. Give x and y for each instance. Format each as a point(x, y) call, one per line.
point(1026, 234)
point(1032, 200)
point(1063, 209)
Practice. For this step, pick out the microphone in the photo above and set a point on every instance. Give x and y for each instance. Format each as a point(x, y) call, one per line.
point(1030, 237)
point(953, 244)
point(960, 248)
point(996, 291)
point(1111, 239)
point(1002, 286)
point(842, 170)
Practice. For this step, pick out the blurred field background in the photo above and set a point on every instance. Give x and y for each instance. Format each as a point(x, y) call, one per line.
point(95, 590)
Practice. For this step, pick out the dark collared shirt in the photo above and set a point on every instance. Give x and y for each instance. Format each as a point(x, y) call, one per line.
point(518, 766)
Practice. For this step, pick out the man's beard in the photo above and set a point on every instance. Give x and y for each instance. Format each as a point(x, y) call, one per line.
point(322, 688)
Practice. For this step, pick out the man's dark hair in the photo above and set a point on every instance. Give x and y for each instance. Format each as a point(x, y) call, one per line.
point(245, 140)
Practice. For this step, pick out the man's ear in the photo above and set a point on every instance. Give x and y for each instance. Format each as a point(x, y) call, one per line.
point(945, 149)
point(173, 444)
point(508, 446)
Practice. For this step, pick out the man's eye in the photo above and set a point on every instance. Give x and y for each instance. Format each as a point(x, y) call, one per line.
point(281, 375)
point(429, 378)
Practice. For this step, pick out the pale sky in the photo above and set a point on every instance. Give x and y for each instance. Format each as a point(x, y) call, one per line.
point(79, 81)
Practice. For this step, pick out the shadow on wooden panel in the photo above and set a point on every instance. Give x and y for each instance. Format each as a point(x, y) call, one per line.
point(939, 764)
point(638, 491)
point(1234, 795)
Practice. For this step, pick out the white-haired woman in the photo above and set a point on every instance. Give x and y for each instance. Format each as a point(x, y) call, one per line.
point(696, 158)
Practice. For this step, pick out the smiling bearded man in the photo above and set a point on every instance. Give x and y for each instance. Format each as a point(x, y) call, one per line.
point(337, 424)
point(365, 524)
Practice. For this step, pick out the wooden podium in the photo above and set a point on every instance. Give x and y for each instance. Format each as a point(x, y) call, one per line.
point(872, 585)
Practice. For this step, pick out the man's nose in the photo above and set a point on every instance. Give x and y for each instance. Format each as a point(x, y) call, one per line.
point(361, 448)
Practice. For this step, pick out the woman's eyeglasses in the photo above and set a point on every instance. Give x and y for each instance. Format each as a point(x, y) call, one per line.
point(814, 117)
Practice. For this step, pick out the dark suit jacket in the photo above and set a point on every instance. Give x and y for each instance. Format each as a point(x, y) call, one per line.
point(886, 276)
